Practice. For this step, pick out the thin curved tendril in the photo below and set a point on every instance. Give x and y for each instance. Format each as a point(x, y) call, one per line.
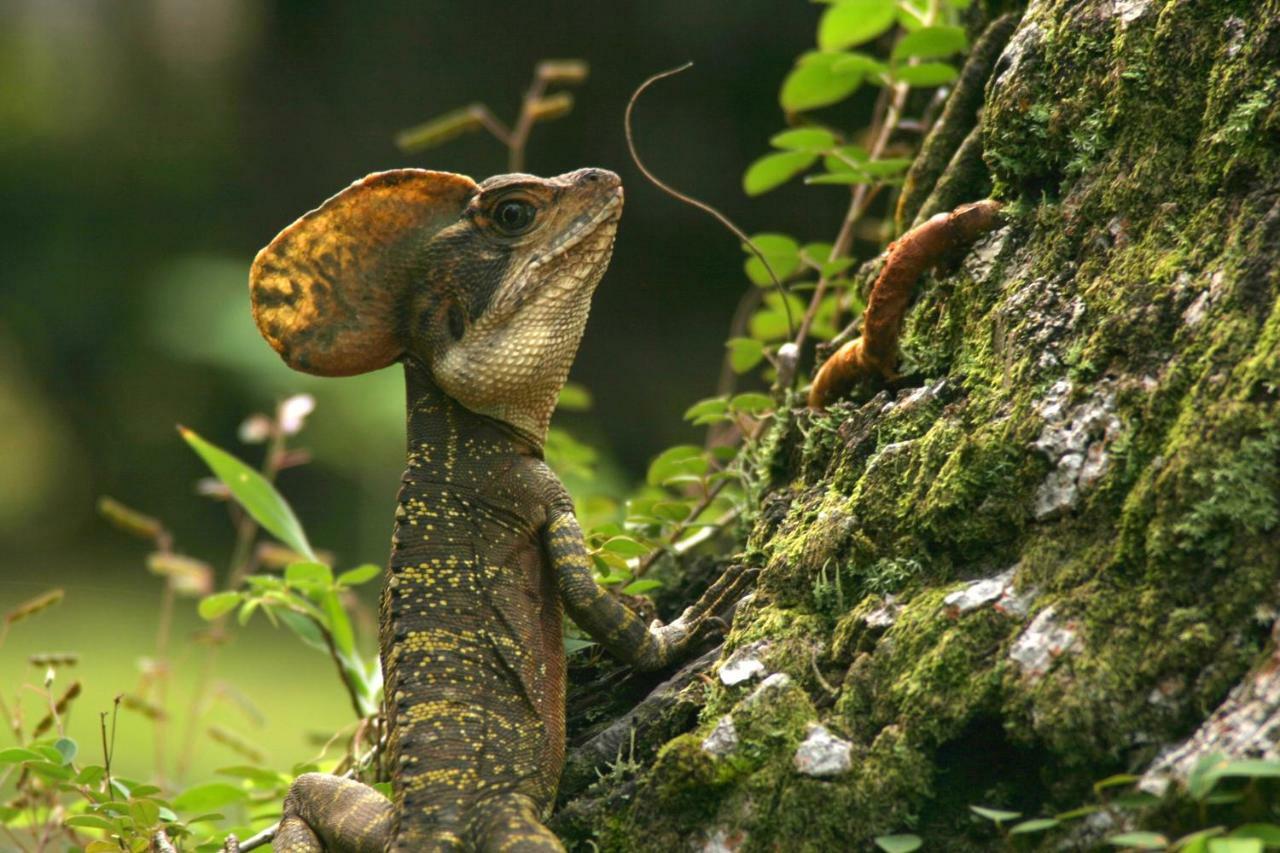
point(701, 205)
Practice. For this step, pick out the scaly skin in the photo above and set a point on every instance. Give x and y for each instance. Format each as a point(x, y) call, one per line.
point(487, 554)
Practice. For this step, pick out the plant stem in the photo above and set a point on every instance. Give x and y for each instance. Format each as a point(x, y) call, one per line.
point(649, 559)
point(238, 566)
point(519, 137)
point(860, 201)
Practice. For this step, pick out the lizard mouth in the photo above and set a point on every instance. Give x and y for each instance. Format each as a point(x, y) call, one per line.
point(582, 227)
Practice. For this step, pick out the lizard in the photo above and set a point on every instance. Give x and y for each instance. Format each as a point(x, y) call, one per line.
point(481, 291)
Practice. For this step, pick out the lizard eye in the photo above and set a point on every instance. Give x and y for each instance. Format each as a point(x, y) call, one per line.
point(514, 216)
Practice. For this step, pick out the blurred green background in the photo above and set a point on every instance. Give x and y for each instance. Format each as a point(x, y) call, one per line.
point(149, 148)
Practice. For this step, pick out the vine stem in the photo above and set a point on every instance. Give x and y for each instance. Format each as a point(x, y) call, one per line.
point(690, 200)
point(649, 559)
point(519, 137)
point(862, 195)
point(238, 567)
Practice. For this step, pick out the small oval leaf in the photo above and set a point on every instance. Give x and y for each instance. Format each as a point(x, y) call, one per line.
point(852, 22)
point(774, 170)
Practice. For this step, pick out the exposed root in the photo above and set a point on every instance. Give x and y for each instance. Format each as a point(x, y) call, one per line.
point(875, 354)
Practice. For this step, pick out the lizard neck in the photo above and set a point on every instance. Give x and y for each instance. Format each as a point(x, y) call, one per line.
point(447, 442)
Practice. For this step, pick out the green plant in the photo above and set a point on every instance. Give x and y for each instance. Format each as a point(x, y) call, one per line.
point(1233, 809)
point(61, 791)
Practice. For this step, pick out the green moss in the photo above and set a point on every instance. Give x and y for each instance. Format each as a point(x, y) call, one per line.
point(1141, 261)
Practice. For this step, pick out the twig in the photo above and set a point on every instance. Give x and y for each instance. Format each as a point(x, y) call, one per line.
point(342, 674)
point(519, 138)
point(237, 568)
point(689, 200)
point(859, 203)
point(107, 752)
point(266, 836)
point(889, 107)
point(649, 559)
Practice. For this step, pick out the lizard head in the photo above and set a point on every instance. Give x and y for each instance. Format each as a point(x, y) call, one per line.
point(486, 285)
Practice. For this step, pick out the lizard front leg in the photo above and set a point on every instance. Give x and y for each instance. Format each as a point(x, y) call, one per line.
point(608, 620)
point(324, 812)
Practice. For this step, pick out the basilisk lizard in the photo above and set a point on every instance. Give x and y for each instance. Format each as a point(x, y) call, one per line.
point(482, 292)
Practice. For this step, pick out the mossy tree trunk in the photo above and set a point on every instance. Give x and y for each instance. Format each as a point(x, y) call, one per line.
point(1054, 557)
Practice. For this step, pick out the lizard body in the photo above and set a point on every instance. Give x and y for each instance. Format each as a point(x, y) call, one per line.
point(482, 292)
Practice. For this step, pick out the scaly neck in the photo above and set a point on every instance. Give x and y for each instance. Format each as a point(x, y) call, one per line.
point(448, 443)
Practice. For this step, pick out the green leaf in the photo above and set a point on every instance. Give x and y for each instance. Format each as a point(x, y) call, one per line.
point(339, 625)
point(305, 629)
point(888, 167)
point(852, 22)
point(1140, 840)
point(712, 407)
point(782, 253)
point(213, 606)
point(814, 139)
point(925, 74)
point(66, 748)
point(1039, 824)
point(770, 322)
point(865, 65)
point(1250, 768)
point(744, 353)
point(208, 797)
point(672, 510)
point(576, 644)
point(868, 172)
point(246, 610)
point(359, 575)
point(1197, 842)
point(996, 815)
point(101, 847)
point(849, 178)
point(308, 576)
point(258, 497)
point(846, 158)
point(898, 843)
point(751, 403)
point(930, 43)
point(1135, 800)
point(52, 770)
point(1268, 833)
point(640, 587)
point(774, 170)
point(815, 82)
point(91, 775)
point(574, 398)
point(259, 777)
point(1235, 845)
point(145, 813)
point(91, 821)
point(683, 459)
point(1114, 781)
point(1203, 776)
point(625, 546)
point(17, 755)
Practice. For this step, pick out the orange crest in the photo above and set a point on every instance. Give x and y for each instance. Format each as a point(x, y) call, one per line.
point(327, 289)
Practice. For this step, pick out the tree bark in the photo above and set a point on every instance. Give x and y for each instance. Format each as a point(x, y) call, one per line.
point(1058, 555)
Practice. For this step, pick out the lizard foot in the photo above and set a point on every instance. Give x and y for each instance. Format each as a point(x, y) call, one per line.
point(705, 618)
